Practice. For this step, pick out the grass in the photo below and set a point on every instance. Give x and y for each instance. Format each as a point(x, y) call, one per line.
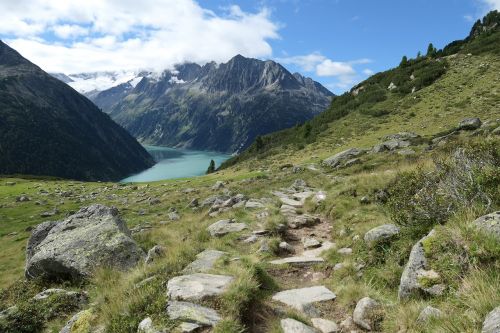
point(466, 259)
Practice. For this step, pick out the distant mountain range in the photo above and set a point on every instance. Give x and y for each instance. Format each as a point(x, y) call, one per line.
point(220, 107)
point(49, 129)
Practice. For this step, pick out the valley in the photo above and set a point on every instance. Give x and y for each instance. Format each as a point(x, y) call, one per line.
point(377, 210)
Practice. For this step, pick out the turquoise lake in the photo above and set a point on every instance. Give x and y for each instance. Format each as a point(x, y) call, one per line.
point(176, 163)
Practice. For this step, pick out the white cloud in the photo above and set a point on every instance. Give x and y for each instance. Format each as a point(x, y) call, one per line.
point(334, 68)
point(96, 35)
point(66, 31)
point(492, 4)
point(344, 72)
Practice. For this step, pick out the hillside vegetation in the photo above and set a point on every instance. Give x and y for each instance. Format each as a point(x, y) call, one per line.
point(390, 221)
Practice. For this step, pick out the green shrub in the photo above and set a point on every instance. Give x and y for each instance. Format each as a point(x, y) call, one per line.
point(462, 178)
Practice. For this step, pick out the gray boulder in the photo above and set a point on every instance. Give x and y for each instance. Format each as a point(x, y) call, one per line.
point(491, 323)
point(469, 124)
point(417, 263)
point(380, 234)
point(70, 249)
point(198, 286)
point(77, 318)
point(339, 159)
point(204, 262)
point(365, 313)
point(490, 224)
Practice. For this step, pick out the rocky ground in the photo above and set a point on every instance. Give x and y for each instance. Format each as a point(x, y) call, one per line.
point(298, 248)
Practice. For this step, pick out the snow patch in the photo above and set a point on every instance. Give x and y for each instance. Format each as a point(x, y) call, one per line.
point(175, 79)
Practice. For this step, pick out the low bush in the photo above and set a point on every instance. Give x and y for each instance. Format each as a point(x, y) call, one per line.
point(464, 177)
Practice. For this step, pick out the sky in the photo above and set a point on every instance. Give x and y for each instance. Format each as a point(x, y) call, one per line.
point(336, 42)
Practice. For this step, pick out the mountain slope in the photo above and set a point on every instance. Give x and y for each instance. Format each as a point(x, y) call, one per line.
point(214, 107)
point(423, 94)
point(47, 128)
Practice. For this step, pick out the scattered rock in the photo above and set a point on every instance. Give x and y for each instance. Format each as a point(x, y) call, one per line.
point(50, 213)
point(345, 251)
point(93, 237)
point(310, 243)
point(298, 261)
point(304, 298)
point(204, 262)
point(406, 152)
point(192, 313)
point(491, 323)
point(253, 203)
point(339, 159)
point(223, 227)
point(251, 239)
point(319, 197)
point(155, 252)
point(469, 124)
point(428, 313)
point(402, 136)
point(146, 326)
point(325, 326)
point(218, 185)
point(391, 86)
point(198, 286)
point(364, 200)
point(173, 216)
point(290, 325)
point(381, 196)
point(286, 247)
point(381, 234)
point(23, 198)
point(490, 224)
point(366, 312)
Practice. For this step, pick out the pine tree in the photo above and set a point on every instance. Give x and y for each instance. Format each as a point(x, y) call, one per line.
point(404, 62)
point(211, 167)
point(259, 143)
point(431, 50)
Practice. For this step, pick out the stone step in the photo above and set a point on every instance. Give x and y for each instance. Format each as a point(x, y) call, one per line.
point(192, 313)
point(198, 286)
point(205, 261)
point(303, 299)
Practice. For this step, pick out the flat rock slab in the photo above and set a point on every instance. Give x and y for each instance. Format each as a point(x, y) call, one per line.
point(301, 299)
point(197, 286)
point(326, 245)
point(192, 313)
point(205, 261)
point(290, 325)
point(298, 261)
point(291, 202)
point(224, 227)
point(325, 326)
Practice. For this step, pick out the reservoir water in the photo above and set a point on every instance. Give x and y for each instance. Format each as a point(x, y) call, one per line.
point(176, 163)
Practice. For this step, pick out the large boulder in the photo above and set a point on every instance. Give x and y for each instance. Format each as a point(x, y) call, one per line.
point(365, 314)
point(489, 224)
point(223, 227)
point(338, 160)
point(416, 270)
point(71, 249)
point(380, 234)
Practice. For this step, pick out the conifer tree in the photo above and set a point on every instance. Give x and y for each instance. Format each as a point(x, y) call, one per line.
point(211, 167)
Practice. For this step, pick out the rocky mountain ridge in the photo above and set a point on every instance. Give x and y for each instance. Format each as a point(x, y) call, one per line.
point(220, 107)
point(49, 129)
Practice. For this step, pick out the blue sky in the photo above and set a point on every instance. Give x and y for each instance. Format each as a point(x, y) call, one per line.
point(349, 30)
point(337, 42)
